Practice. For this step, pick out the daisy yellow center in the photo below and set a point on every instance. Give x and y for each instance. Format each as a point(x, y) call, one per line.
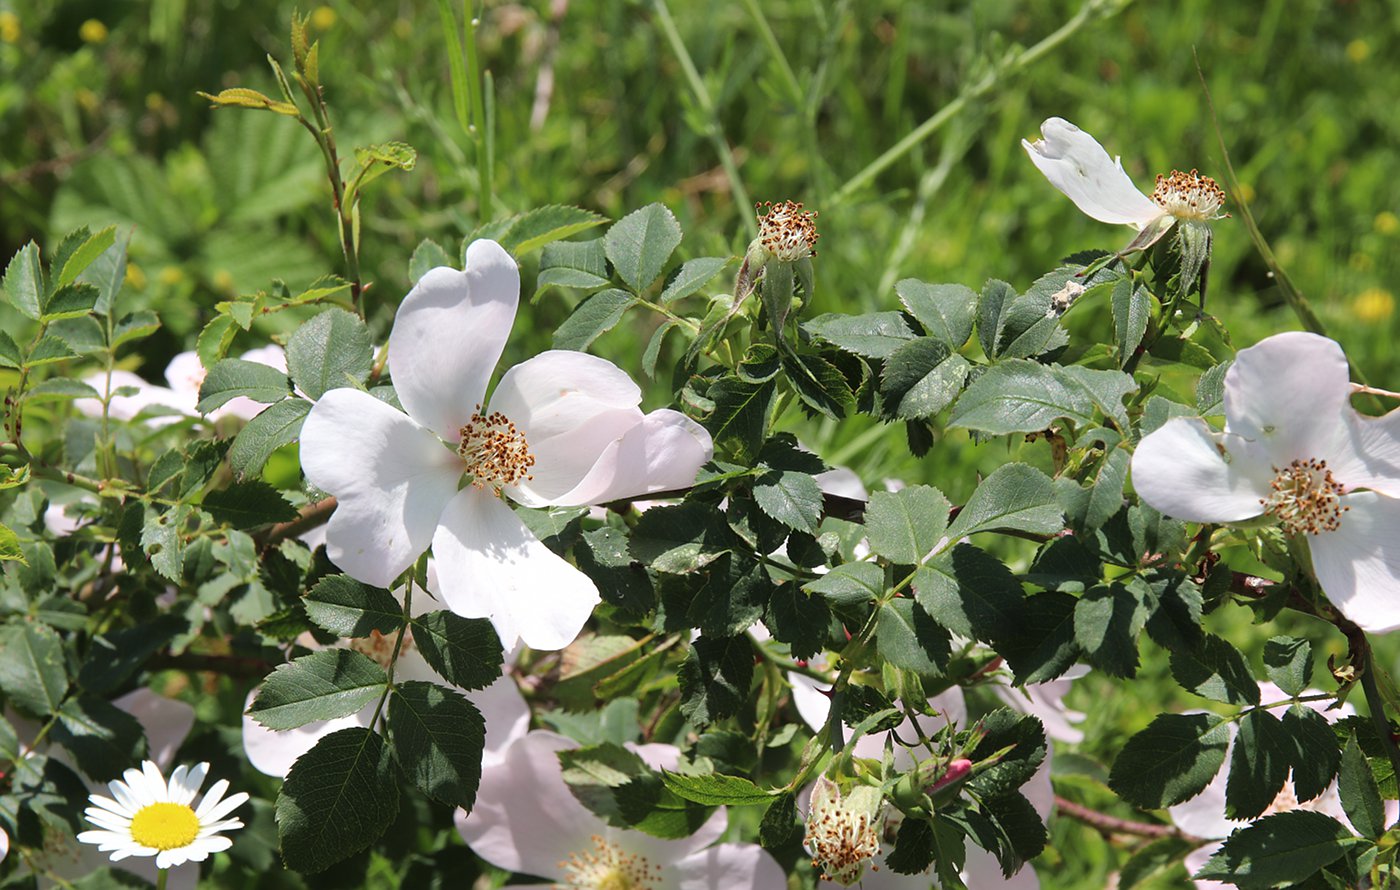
point(164, 826)
point(841, 841)
point(1189, 196)
point(606, 866)
point(1305, 498)
point(495, 450)
point(786, 231)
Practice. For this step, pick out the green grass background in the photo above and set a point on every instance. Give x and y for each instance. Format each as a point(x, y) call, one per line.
point(99, 124)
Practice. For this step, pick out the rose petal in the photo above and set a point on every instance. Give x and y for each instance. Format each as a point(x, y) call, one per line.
point(663, 452)
point(1181, 469)
point(165, 721)
point(1289, 395)
point(448, 335)
point(1077, 165)
point(525, 818)
point(491, 566)
point(273, 753)
point(1358, 565)
point(730, 867)
point(391, 478)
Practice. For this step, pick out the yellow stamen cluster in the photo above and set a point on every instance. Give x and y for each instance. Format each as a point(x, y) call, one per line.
point(164, 826)
point(1189, 196)
point(608, 867)
point(842, 840)
point(380, 646)
point(1305, 498)
point(786, 231)
point(495, 450)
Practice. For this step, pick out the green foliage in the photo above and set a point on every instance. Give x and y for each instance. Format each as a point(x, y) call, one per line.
point(320, 686)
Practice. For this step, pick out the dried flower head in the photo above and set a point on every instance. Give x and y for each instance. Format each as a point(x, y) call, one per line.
point(787, 231)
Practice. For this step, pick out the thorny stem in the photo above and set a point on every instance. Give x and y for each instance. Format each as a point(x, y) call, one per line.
point(1113, 825)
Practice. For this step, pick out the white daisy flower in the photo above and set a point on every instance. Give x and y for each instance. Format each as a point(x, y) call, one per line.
point(147, 816)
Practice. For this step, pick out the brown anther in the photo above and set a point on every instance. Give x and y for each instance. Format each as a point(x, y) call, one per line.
point(1189, 196)
point(495, 451)
point(786, 231)
point(1306, 498)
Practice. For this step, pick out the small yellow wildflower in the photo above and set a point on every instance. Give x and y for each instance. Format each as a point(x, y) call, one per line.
point(93, 31)
point(323, 18)
point(9, 27)
point(1358, 50)
point(1387, 223)
point(1373, 304)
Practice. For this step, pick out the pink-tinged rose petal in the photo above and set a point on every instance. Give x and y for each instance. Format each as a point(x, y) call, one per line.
point(273, 753)
point(391, 478)
point(730, 867)
point(1358, 565)
point(1375, 445)
point(491, 566)
point(448, 335)
point(1187, 471)
point(525, 818)
point(165, 721)
point(126, 407)
point(1077, 165)
point(663, 452)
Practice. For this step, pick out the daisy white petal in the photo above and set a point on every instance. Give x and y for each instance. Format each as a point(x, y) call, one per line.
point(448, 335)
point(391, 478)
point(492, 566)
point(1077, 165)
point(209, 813)
point(211, 800)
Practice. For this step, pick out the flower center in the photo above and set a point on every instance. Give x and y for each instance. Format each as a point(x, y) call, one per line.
point(164, 826)
point(1189, 196)
point(380, 646)
point(786, 231)
point(1305, 498)
point(841, 841)
point(495, 450)
point(608, 867)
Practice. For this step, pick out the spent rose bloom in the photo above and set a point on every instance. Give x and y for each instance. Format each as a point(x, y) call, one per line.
point(562, 428)
point(1077, 165)
point(526, 820)
point(1293, 449)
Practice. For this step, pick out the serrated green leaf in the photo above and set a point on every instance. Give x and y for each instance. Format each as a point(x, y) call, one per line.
point(134, 326)
point(873, 335)
point(104, 739)
point(909, 638)
point(215, 339)
point(1107, 621)
point(793, 499)
point(639, 244)
point(108, 272)
point(321, 686)
point(163, 544)
point(330, 350)
point(464, 651)
point(652, 353)
point(945, 310)
point(232, 378)
point(1020, 396)
point(905, 526)
point(593, 317)
point(740, 417)
point(1315, 754)
point(1152, 860)
point(1284, 848)
point(1259, 761)
point(1216, 670)
point(10, 549)
point(278, 425)
point(850, 584)
point(818, 383)
point(1171, 760)
point(427, 255)
point(33, 673)
point(779, 825)
point(554, 222)
point(1289, 663)
point(48, 350)
point(972, 592)
point(339, 798)
point(1361, 797)
point(345, 607)
point(87, 252)
point(573, 264)
point(691, 276)
point(715, 677)
point(69, 301)
point(1132, 306)
point(24, 281)
point(438, 738)
point(10, 355)
point(716, 789)
point(249, 504)
point(921, 378)
point(1015, 497)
